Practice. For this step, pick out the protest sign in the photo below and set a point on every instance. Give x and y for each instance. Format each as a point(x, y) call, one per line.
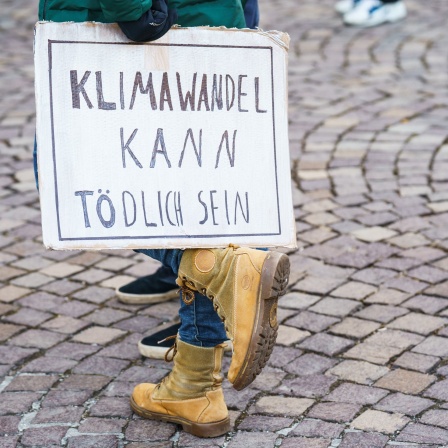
point(181, 142)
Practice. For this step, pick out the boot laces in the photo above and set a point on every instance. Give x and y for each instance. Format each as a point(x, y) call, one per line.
point(168, 355)
point(187, 293)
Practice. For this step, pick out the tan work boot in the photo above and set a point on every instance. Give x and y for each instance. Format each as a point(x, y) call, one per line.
point(191, 395)
point(244, 285)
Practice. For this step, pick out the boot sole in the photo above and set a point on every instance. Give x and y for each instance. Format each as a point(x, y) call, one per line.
point(146, 299)
point(213, 429)
point(273, 282)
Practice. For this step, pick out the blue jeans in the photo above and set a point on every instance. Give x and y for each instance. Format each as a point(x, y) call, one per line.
point(251, 13)
point(200, 325)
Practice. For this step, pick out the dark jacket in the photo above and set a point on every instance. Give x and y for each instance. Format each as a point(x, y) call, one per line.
point(227, 13)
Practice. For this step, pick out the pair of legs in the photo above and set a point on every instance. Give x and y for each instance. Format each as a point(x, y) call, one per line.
point(200, 324)
point(243, 286)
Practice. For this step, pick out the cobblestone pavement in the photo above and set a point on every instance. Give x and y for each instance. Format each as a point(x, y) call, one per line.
point(361, 354)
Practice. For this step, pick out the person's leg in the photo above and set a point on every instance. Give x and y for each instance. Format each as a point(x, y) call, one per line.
point(168, 257)
point(153, 288)
point(251, 14)
point(200, 324)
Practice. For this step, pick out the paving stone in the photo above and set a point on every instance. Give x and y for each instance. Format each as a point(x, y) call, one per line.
point(317, 428)
point(338, 412)
point(140, 324)
point(31, 383)
point(302, 442)
point(9, 293)
point(325, 343)
point(438, 290)
point(271, 424)
point(427, 304)
point(43, 436)
point(84, 382)
point(428, 274)
point(9, 424)
point(101, 425)
point(33, 280)
point(8, 442)
point(13, 355)
point(381, 313)
point(140, 430)
point(374, 276)
point(310, 386)
point(415, 361)
point(418, 323)
point(404, 404)
point(121, 351)
point(61, 269)
point(111, 407)
point(335, 307)
point(354, 290)
point(65, 325)
point(93, 442)
point(318, 285)
point(356, 328)
point(72, 350)
point(285, 406)
point(58, 398)
point(307, 320)
point(405, 284)
point(289, 335)
point(98, 335)
point(363, 440)
point(297, 300)
point(238, 399)
point(8, 330)
point(372, 234)
point(41, 301)
point(371, 420)
point(436, 417)
point(357, 394)
point(438, 391)
point(49, 364)
point(28, 316)
point(387, 297)
point(61, 414)
point(245, 439)
point(98, 365)
point(95, 294)
point(373, 353)
point(358, 371)
point(309, 364)
point(405, 381)
point(16, 402)
point(419, 433)
point(106, 316)
point(119, 389)
point(433, 346)
point(37, 338)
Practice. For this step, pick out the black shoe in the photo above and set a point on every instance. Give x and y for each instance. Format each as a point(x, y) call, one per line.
point(154, 288)
point(157, 344)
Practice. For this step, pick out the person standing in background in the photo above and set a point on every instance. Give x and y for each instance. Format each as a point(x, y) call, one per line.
point(367, 13)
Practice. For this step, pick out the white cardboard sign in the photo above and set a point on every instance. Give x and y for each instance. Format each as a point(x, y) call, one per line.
point(181, 142)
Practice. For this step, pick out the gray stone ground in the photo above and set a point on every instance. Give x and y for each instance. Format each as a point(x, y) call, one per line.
point(361, 354)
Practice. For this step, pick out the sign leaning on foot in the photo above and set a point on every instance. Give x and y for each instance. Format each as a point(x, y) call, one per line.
point(181, 142)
